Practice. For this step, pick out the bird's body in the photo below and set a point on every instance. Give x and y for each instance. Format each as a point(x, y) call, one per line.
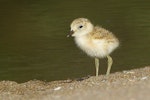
point(98, 43)
point(95, 41)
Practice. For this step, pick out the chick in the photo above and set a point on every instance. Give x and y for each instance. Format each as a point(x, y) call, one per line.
point(95, 41)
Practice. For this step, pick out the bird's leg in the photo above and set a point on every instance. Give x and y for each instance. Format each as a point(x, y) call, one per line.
point(97, 65)
point(110, 62)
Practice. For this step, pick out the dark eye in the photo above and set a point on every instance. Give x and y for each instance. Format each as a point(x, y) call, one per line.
point(80, 26)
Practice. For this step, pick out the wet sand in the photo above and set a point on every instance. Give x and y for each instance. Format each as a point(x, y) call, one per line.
point(126, 85)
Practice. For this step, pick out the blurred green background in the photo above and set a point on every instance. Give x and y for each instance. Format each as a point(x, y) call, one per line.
point(33, 42)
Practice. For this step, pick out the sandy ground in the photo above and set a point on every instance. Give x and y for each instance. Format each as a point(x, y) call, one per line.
point(126, 85)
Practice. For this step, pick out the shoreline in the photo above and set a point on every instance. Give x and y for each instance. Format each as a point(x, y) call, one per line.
point(126, 85)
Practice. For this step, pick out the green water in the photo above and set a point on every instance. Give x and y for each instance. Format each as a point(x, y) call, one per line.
point(33, 43)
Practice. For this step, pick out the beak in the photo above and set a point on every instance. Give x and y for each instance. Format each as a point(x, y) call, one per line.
point(71, 32)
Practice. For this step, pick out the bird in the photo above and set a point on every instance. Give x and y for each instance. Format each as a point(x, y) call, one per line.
point(96, 41)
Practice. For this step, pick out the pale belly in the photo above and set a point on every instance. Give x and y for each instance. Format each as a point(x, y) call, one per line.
point(95, 48)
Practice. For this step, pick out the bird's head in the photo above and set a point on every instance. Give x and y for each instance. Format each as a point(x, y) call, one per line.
point(80, 27)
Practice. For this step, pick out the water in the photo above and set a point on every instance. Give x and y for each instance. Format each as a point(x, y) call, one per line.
point(33, 43)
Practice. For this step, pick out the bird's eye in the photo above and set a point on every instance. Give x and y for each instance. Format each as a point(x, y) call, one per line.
point(80, 26)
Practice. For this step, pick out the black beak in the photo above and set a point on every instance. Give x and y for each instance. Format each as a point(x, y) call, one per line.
point(71, 32)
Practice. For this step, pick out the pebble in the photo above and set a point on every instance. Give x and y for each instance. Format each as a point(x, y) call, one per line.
point(58, 88)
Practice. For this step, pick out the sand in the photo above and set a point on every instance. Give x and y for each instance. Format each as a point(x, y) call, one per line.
point(127, 85)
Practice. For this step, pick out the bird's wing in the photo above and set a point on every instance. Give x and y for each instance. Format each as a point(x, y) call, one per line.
point(101, 33)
